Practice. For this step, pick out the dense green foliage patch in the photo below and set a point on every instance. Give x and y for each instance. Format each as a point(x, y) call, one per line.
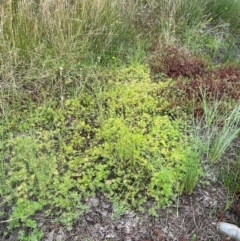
point(116, 138)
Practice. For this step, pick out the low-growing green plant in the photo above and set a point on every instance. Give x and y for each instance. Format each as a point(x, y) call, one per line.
point(139, 138)
point(67, 219)
point(119, 209)
point(194, 237)
point(23, 211)
point(153, 211)
point(37, 170)
point(34, 235)
point(118, 139)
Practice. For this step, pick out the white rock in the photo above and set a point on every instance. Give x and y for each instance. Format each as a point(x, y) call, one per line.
point(230, 230)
